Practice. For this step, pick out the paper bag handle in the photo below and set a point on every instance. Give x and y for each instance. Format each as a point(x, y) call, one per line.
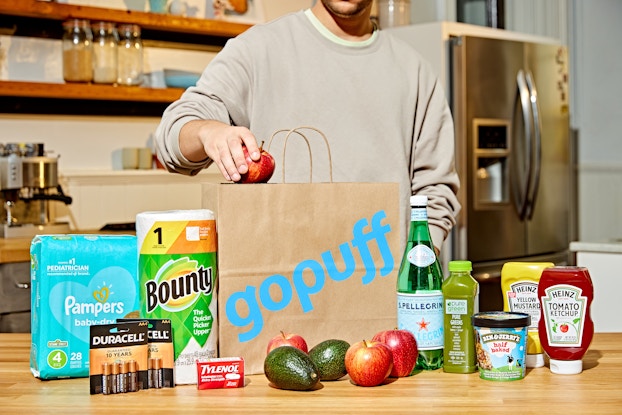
point(297, 131)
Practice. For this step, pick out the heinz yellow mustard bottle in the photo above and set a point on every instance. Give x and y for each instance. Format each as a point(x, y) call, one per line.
point(519, 285)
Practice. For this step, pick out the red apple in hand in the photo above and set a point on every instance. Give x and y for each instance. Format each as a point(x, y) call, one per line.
point(259, 171)
point(288, 339)
point(369, 363)
point(403, 345)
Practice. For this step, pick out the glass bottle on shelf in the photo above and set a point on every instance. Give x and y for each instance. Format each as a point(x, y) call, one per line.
point(419, 295)
point(77, 51)
point(105, 43)
point(130, 55)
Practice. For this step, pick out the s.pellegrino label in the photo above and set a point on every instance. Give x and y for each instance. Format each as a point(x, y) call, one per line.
point(422, 315)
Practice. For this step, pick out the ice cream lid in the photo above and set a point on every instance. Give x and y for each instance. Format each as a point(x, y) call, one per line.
point(501, 319)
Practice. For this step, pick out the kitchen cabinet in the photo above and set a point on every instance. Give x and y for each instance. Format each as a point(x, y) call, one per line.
point(548, 18)
point(603, 259)
point(43, 19)
point(15, 297)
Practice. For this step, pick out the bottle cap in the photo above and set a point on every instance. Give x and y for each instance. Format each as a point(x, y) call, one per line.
point(566, 367)
point(418, 200)
point(460, 266)
point(534, 360)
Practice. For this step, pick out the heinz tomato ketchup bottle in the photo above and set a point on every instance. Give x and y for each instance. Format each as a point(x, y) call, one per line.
point(565, 327)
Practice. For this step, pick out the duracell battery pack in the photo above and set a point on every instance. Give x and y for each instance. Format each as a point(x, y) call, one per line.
point(119, 358)
point(161, 358)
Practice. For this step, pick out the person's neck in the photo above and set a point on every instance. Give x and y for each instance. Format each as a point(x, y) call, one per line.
point(356, 28)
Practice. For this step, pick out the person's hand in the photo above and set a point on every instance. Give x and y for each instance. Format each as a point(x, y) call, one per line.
point(222, 143)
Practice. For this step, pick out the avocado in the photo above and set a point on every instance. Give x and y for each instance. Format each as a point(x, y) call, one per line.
point(329, 358)
point(288, 367)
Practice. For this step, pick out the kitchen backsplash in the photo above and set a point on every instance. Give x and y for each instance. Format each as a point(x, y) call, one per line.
point(112, 198)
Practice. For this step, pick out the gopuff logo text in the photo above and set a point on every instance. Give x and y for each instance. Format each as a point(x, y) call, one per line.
point(254, 298)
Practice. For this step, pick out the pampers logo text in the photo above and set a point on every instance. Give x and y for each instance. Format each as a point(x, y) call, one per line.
point(92, 309)
point(253, 297)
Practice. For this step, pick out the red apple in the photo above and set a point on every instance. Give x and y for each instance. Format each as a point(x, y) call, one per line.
point(369, 363)
point(259, 171)
point(288, 339)
point(403, 345)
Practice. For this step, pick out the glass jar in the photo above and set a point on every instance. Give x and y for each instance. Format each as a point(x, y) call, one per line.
point(105, 41)
point(130, 55)
point(77, 51)
point(393, 13)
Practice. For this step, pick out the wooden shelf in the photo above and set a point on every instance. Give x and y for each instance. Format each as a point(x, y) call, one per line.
point(42, 19)
point(89, 92)
point(150, 21)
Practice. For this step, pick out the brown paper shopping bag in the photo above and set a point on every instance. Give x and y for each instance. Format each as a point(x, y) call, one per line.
point(317, 259)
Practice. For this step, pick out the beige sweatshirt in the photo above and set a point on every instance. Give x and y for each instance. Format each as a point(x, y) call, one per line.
point(380, 105)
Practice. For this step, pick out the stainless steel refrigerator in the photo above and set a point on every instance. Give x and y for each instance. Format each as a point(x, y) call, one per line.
point(509, 100)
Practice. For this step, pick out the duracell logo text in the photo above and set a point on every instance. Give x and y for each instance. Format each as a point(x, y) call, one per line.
point(159, 335)
point(199, 281)
point(114, 339)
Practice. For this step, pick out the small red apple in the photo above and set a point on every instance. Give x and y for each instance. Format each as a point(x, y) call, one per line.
point(403, 345)
point(259, 171)
point(369, 363)
point(288, 339)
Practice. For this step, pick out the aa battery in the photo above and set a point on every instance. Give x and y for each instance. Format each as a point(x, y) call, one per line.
point(114, 378)
point(123, 376)
point(133, 376)
point(107, 378)
point(155, 372)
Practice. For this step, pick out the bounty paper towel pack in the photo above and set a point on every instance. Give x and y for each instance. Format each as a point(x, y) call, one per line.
point(77, 281)
point(177, 268)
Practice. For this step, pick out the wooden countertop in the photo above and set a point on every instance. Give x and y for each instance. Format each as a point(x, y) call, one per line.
point(14, 250)
point(595, 391)
point(613, 246)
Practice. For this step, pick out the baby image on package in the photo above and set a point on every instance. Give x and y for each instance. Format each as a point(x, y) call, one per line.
point(77, 281)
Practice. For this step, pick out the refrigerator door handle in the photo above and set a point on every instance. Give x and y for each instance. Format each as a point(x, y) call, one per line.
point(537, 145)
point(521, 178)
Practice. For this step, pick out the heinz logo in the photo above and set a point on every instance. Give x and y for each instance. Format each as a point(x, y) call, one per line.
point(301, 289)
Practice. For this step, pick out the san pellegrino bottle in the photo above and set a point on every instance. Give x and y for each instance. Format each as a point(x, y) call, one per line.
point(419, 284)
point(461, 294)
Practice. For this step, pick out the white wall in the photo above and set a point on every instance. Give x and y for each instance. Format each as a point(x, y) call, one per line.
point(597, 114)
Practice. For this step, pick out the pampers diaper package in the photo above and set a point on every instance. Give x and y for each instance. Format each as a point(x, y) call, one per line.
point(77, 281)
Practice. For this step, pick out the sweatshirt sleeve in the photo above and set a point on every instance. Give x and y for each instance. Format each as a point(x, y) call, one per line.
point(220, 94)
point(433, 168)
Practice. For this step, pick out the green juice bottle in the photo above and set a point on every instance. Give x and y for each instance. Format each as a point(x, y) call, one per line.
point(419, 295)
point(461, 295)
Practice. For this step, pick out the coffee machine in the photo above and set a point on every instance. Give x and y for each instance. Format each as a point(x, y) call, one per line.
point(28, 183)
